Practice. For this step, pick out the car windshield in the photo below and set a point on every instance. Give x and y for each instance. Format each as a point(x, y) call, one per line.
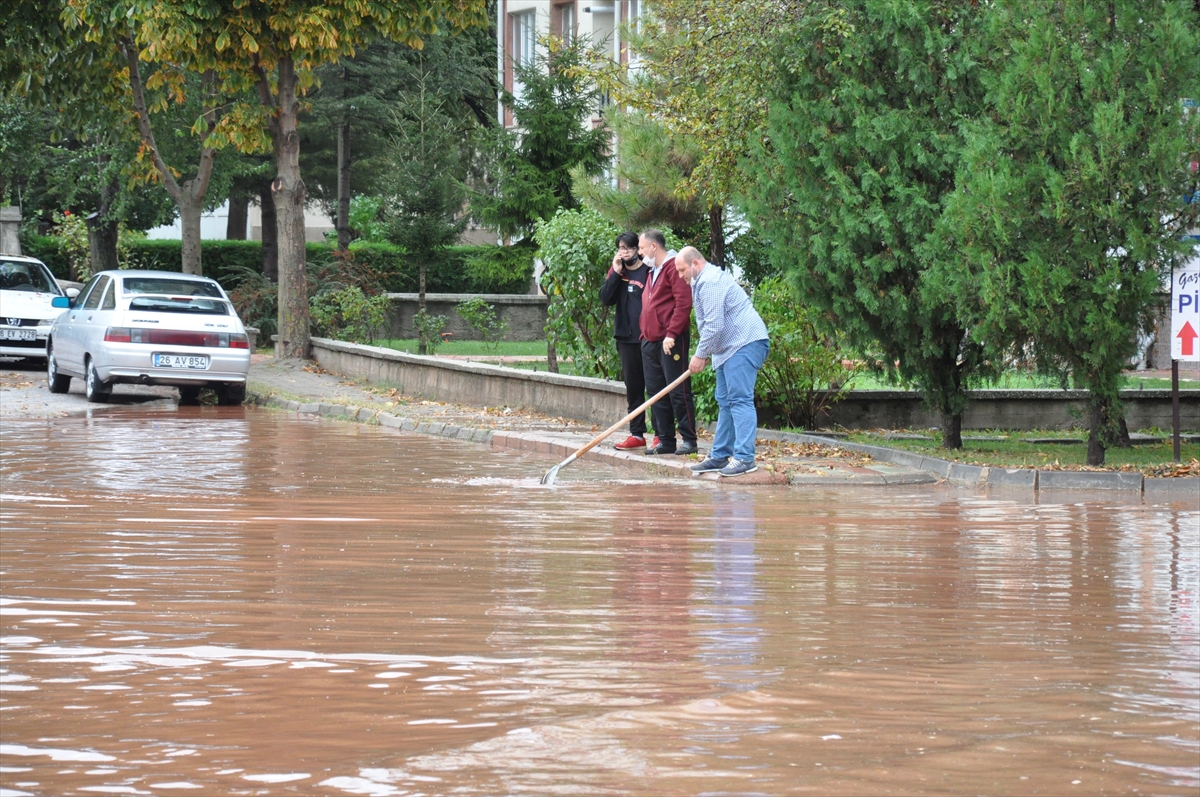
point(180, 304)
point(165, 286)
point(21, 275)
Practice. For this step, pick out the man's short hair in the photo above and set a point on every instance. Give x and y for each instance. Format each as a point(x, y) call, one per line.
point(628, 239)
point(688, 254)
point(655, 236)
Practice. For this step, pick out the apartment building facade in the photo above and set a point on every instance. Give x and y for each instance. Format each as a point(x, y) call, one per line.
point(522, 24)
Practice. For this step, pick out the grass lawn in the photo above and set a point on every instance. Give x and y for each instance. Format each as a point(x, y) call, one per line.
point(1016, 451)
point(482, 352)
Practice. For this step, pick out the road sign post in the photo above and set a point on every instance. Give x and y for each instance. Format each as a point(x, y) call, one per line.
point(1185, 329)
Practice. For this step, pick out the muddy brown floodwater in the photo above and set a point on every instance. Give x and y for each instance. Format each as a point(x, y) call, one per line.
point(230, 601)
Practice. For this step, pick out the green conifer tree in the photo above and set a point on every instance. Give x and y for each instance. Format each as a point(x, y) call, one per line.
point(532, 165)
point(1070, 203)
point(863, 145)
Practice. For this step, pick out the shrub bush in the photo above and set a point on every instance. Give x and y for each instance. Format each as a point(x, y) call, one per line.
point(499, 269)
point(482, 317)
point(45, 248)
point(576, 247)
point(803, 372)
point(465, 269)
point(348, 314)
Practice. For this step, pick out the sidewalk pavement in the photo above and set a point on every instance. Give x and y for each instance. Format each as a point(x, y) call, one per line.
point(302, 386)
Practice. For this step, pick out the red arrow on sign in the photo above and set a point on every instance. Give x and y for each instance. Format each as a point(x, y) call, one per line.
point(1187, 337)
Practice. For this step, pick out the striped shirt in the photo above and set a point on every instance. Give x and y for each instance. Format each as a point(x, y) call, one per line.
point(724, 315)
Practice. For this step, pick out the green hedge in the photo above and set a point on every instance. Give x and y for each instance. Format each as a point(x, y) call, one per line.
point(45, 249)
point(464, 269)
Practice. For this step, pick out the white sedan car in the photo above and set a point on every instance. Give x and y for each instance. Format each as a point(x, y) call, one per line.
point(27, 294)
point(150, 328)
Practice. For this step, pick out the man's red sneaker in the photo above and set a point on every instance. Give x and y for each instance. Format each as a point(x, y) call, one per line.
point(631, 442)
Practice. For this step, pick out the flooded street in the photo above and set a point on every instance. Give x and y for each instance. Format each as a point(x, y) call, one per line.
point(230, 601)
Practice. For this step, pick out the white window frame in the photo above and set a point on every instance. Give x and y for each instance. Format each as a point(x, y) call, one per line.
point(524, 45)
point(569, 22)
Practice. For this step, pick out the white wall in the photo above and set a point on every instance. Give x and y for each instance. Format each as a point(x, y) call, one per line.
point(214, 225)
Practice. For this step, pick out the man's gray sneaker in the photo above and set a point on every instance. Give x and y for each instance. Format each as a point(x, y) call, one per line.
point(737, 468)
point(709, 465)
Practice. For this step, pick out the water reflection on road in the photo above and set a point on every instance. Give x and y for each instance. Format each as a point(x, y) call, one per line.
point(225, 601)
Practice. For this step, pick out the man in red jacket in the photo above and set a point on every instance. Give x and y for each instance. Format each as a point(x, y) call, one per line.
point(665, 322)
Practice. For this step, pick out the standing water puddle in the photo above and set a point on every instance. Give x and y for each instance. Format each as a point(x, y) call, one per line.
point(239, 602)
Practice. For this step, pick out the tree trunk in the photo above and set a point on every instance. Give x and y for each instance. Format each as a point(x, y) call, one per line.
point(1123, 440)
point(189, 219)
point(270, 233)
point(103, 234)
point(343, 201)
point(290, 194)
point(1095, 451)
point(716, 235)
point(239, 213)
point(102, 243)
point(951, 430)
point(422, 344)
point(190, 196)
point(551, 358)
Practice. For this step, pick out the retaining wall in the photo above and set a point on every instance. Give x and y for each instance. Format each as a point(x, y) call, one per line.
point(1009, 409)
point(478, 384)
point(526, 315)
point(599, 401)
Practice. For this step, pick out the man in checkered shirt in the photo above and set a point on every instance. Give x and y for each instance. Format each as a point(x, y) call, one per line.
point(733, 334)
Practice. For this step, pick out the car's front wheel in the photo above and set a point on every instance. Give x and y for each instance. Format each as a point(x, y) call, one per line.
point(58, 382)
point(97, 391)
point(231, 394)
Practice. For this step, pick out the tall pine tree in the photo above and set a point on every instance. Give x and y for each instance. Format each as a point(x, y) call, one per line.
point(1070, 202)
point(863, 146)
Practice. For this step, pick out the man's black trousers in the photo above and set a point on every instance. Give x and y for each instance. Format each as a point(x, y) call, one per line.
point(635, 384)
point(679, 412)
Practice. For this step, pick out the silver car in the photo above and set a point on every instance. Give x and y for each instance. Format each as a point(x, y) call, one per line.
point(151, 328)
point(27, 293)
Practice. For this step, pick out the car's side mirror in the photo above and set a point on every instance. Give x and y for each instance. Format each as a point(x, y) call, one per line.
point(62, 302)
point(73, 293)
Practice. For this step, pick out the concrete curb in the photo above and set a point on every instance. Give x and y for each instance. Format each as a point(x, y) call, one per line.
point(928, 469)
point(369, 416)
point(534, 442)
point(1169, 491)
point(1153, 490)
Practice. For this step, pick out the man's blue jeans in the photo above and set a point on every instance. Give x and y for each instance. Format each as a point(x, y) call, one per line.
point(737, 420)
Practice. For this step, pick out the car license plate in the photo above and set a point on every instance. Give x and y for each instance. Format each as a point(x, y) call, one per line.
point(187, 361)
point(18, 334)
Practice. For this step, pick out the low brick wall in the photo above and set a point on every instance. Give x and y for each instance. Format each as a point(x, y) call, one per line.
point(599, 401)
point(1009, 409)
point(526, 315)
point(477, 384)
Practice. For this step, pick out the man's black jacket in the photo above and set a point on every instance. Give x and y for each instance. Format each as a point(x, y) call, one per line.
point(624, 291)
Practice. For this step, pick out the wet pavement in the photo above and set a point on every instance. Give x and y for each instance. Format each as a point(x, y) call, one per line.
point(236, 601)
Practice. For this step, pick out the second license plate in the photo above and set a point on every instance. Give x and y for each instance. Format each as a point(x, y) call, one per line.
point(187, 361)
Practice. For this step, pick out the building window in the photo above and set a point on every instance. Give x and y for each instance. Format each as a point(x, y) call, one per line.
point(635, 13)
point(567, 24)
point(524, 31)
point(524, 42)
